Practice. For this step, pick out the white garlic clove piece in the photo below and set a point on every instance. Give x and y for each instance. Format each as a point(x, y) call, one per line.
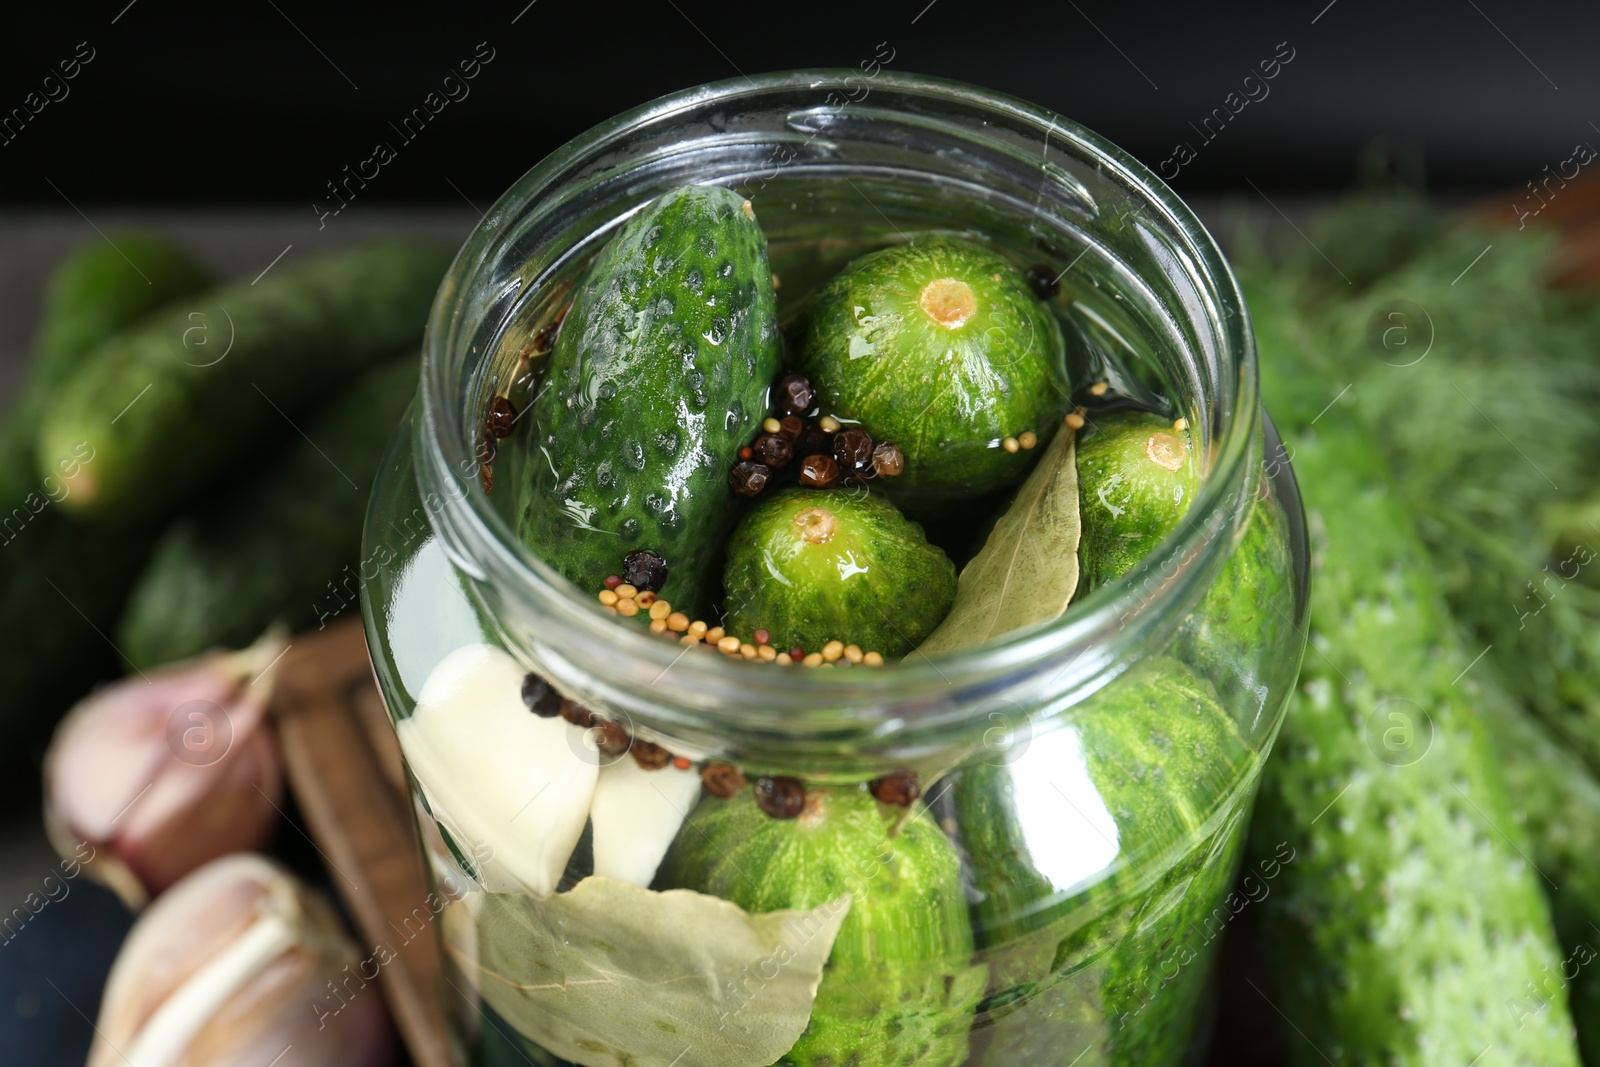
point(636, 814)
point(222, 970)
point(513, 788)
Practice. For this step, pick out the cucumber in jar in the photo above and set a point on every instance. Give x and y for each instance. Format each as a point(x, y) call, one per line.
point(898, 987)
point(659, 375)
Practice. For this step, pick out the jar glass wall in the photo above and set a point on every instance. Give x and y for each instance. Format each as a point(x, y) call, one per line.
point(1086, 783)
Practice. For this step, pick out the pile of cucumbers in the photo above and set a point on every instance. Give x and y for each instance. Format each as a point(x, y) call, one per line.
point(186, 464)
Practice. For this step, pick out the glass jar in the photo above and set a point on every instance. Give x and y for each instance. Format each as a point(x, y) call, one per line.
point(1056, 893)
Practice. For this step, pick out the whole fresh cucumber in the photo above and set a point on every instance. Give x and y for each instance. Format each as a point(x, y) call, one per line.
point(170, 405)
point(269, 549)
point(898, 988)
point(659, 376)
point(1410, 912)
point(1080, 956)
point(941, 347)
point(816, 565)
point(61, 585)
point(1137, 478)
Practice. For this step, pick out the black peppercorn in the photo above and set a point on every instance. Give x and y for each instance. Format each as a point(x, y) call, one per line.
point(541, 699)
point(791, 425)
point(610, 738)
point(888, 460)
point(749, 478)
point(774, 450)
point(813, 441)
point(577, 715)
point(651, 757)
point(1044, 282)
point(781, 798)
point(899, 788)
point(852, 449)
point(819, 472)
point(502, 417)
point(644, 570)
point(793, 395)
point(721, 779)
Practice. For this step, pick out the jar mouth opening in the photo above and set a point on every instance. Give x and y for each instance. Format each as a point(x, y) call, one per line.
point(1084, 640)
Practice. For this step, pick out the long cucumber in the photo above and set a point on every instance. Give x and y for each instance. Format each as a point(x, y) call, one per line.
point(270, 549)
point(1411, 911)
point(169, 406)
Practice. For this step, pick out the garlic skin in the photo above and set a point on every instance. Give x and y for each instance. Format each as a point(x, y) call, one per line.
point(511, 787)
point(163, 773)
point(235, 965)
point(636, 814)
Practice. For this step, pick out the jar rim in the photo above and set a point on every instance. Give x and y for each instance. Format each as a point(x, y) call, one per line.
point(1083, 639)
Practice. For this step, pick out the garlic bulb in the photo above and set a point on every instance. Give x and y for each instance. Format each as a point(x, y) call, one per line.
point(239, 963)
point(160, 774)
point(510, 786)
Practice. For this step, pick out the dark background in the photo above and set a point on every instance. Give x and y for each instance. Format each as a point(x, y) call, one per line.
point(188, 104)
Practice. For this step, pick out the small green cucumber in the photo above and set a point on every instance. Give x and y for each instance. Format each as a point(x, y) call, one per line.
point(1137, 478)
point(898, 988)
point(267, 549)
point(941, 347)
point(659, 376)
point(170, 405)
point(814, 565)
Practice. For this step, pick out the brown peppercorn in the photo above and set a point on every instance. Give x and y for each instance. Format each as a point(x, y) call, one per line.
point(486, 475)
point(852, 449)
point(541, 699)
point(773, 450)
point(721, 779)
point(544, 338)
point(502, 417)
point(781, 798)
point(791, 425)
point(900, 788)
point(819, 472)
point(644, 570)
point(813, 441)
point(793, 395)
point(749, 478)
point(888, 460)
point(577, 714)
point(1044, 282)
point(651, 757)
point(611, 739)
point(612, 581)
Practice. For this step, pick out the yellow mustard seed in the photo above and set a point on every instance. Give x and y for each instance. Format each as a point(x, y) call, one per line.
point(688, 639)
point(812, 659)
point(1075, 420)
point(608, 609)
point(658, 626)
point(1099, 389)
point(678, 622)
point(1180, 425)
point(608, 598)
point(747, 650)
point(715, 634)
point(1027, 438)
point(767, 652)
point(853, 653)
point(629, 607)
point(697, 628)
point(646, 598)
point(829, 424)
point(771, 425)
point(776, 285)
point(872, 659)
point(1010, 444)
point(627, 592)
point(784, 659)
point(730, 645)
point(660, 609)
point(832, 650)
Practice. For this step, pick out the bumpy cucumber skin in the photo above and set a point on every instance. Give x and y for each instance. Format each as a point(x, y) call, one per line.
point(267, 550)
point(1408, 918)
point(876, 582)
point(658, 378)
point(297, 335)
point(898, 988)
point(1130, 501)
point(1098, 966)
point(948, 397)
point(51, 654)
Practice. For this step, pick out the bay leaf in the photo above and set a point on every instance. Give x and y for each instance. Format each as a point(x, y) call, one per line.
point(1027, 571)
point(613, 975)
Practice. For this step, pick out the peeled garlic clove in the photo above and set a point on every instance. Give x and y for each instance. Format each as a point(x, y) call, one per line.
point(636, 814)
point(160, 774)
point(221, 970)
point(511, 787)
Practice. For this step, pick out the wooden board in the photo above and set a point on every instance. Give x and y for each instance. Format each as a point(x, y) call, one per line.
point(344, 766)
